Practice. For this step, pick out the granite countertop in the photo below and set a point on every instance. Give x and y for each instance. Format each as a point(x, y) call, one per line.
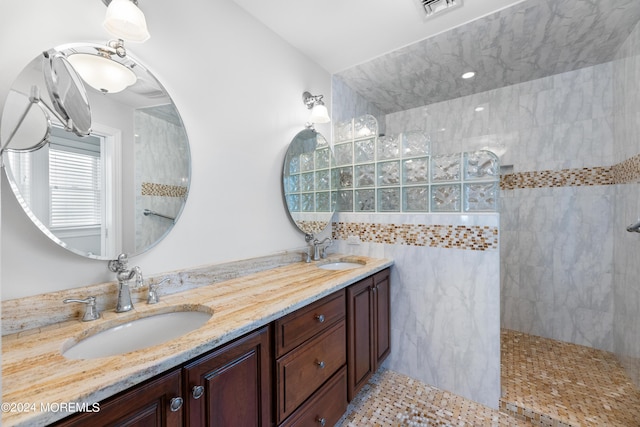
point(36, 377)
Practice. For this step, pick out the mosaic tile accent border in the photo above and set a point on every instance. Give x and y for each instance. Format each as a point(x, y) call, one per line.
point(625, 172)
point(477, 238)
point(163, 190)
point(561, 178)
point(315, 227)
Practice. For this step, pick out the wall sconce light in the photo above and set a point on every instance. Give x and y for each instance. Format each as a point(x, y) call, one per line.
point(319, 112)
point(125, 20)
point(101, 71)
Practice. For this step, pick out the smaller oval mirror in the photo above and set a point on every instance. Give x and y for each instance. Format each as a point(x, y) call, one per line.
point(309, 182)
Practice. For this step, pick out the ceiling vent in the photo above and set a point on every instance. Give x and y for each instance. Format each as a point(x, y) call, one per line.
point(434, 7)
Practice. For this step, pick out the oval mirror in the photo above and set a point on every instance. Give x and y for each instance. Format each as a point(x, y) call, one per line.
point(118, 189)
point(309, 182)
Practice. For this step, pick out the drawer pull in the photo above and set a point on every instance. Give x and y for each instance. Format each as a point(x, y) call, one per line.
point(320, 318)
point(320, 364)
point(175, 404)
point(321, 420)
point(197, 391)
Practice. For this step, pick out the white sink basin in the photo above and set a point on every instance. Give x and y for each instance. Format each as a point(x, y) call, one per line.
point(137, 334)
point(340, 265)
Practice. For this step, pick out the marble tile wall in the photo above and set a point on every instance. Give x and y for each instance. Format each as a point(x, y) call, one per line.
point(527, 41)
point(351, 104)
point(626, 299)
point(161, 190)
point(556, 241)
point(445, 296)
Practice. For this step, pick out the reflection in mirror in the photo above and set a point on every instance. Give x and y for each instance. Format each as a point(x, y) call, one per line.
point(309, 182)
point(90, 193)
point(70, 106)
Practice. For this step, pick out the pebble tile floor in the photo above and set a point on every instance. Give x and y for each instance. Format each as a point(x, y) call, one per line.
point(545, 383)
point(558, 384)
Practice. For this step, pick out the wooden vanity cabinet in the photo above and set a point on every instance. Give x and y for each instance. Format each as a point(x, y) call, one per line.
point(231, 386)
point(368, 328)
point(157, 402)
point(311, 364)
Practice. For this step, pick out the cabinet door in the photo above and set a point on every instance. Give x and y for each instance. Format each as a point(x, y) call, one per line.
point(382, 300)
point(146, 405)
point(360, 335)
point(232, 385)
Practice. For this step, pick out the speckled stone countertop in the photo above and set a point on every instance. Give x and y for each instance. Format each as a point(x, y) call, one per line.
point(35, 374)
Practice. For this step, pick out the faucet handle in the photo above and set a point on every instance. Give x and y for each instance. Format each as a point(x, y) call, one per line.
point(91, 312)
point(153, 297)
point(139, 277)
point(323, 249)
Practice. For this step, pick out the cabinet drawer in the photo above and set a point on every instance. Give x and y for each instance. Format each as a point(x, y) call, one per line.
point(303, 370)
point(326, 407)
point(295, 328)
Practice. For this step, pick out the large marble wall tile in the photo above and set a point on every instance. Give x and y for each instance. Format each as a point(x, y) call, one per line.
point(556, 242)
point(626, 300)
point(530, 40)
point(445, 306)
point(351, 104)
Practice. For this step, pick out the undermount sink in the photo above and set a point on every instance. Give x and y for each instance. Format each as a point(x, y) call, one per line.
point(340, 265)
point(137, 334)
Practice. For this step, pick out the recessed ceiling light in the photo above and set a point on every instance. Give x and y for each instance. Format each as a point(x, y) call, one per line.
point(468, 75)
point(478, 109)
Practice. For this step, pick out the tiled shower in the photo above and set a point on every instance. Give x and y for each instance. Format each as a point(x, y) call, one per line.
point(567, 268)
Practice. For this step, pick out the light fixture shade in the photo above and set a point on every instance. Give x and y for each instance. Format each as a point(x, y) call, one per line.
point(319, 114)
point(103, 74)
point(126, 21)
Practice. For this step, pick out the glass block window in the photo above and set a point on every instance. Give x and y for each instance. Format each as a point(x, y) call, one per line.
point(398, 173)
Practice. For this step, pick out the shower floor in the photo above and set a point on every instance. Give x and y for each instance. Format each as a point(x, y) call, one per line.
point(545, 383)
point(558, 384)
point(392, 399)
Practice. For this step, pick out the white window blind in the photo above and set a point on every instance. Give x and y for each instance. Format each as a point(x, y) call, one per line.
point(75, 182)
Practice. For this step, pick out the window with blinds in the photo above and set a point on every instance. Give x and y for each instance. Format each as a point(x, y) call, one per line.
point(75, 181)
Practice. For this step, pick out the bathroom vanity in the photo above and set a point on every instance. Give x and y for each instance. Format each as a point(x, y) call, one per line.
point(286, 346)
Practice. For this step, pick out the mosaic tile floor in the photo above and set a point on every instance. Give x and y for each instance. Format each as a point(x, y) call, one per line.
point(553, 383)
point(545, 383)
point(392, 399)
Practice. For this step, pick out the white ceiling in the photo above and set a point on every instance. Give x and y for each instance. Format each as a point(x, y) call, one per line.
point(339, 34)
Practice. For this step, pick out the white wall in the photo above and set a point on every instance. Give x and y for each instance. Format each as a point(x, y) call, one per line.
point(238, 87)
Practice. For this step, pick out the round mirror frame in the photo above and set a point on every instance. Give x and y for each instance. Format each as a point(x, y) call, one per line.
point(150, 85)
point(309, 182)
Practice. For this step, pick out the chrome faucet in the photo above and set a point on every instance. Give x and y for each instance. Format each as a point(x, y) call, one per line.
point(320, 247)
point(123, 274)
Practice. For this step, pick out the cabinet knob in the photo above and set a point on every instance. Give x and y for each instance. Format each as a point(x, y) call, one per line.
point(322, 421)
point(374, 288)
point(175, 404)
point(320, 364)
point(320, 318)
point(197, 391)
